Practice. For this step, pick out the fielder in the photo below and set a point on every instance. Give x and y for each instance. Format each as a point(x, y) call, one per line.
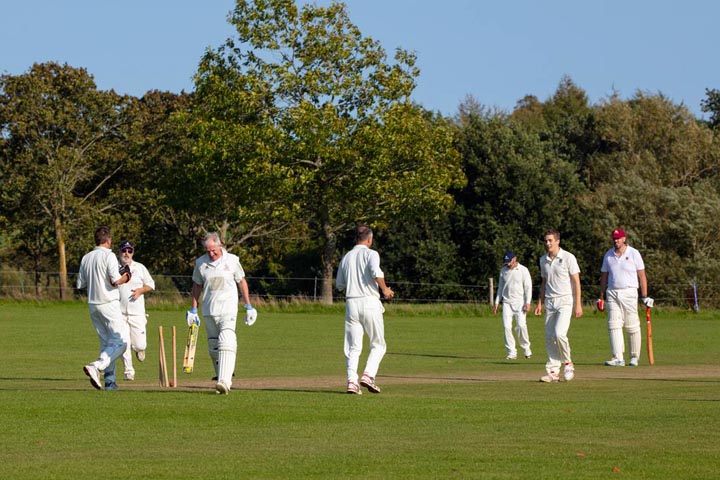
point(515, 290)
point(623, 272)
point(360, 277)
point(101, 274)
point(219, 276)
point(560, 292)
point(132, 304)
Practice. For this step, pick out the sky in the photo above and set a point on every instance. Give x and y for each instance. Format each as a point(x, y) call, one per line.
point(495, 51)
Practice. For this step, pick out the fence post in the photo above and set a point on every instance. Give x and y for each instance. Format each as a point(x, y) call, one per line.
point(315, 291)
point(491, 292)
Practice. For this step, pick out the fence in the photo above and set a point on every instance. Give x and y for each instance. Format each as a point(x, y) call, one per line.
point(175, 288)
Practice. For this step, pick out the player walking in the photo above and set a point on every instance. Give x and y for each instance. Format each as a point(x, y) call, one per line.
point(219, 276)
point(560, 292)
point(360, 277)
point(623, 272)
point(132, 304)
point(99, 272)
point(515, 290)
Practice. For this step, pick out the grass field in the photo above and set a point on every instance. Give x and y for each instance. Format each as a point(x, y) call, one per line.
point(451, 406)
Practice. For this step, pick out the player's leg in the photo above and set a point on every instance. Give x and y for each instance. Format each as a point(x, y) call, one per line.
point(353, 339)
point(562, 326)
point(614, 308)
point(631, 321)
point(111, 329)
point(507, 319)
point(373, 323)
point(128, 369)
point(552, 366)
point(138, 335)
point(213, 332)
point(522, 332)
point(227, 352)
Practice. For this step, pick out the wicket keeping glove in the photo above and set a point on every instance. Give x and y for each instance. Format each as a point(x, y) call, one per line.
point(648, 302)
point(125, 269)
point(250, 315)
point(192, 317)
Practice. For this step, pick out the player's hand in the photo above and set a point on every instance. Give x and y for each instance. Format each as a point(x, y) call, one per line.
point(192, 317)
point(600, 304)
point(538, 309)
point(250, 315)
point(648, 302)
point(125, 269)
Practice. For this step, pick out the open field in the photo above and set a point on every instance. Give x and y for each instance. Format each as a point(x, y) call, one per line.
point(451, 406)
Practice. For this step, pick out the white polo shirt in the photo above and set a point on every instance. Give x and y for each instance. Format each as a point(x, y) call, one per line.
point(557, 272)
point(98, 268)
point(219, 283)
point(357, 273)
point(622, 270)
point(515, 286)
point(140, 278)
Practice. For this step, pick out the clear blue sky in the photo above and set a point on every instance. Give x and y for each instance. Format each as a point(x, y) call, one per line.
point(496, 51)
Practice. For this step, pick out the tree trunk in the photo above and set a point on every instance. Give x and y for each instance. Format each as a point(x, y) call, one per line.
point(60, 237)
point(328, 265)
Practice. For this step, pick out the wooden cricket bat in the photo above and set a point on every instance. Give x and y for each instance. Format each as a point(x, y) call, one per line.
point(189, 359)
point(648, 324)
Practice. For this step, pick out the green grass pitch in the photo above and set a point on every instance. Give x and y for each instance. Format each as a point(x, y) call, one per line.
point(451, 406)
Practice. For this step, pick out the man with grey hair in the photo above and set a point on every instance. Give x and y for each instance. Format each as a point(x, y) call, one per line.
point(359, 275)
point(219, 276)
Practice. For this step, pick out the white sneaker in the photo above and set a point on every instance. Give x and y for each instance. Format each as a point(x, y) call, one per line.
point(129, 377)
point(569, 371)
point(369, 382)
point(140, 354)
point(511, 357)
point(634, 361)
point(528, 354)
point(353, 388)
point(615, 362)
point(94, 374)
point(222, 388)
point(550, 377)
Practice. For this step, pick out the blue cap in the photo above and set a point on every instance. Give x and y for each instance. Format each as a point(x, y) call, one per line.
point(507, 258)
point(125, 245)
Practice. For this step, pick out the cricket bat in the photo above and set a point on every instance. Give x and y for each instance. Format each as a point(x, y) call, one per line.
point(648, 324)
point(189, 359)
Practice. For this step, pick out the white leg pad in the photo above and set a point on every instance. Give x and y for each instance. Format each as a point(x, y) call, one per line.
point(617, 343)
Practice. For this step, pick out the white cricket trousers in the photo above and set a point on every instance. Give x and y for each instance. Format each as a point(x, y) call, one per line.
point(510, 312)
point(222, 344)
point(136, 340)
point(622, 311)
point(111, 330)
point(558, 313)
point(364, 314)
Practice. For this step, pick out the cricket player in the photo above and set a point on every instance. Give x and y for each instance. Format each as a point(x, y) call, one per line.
point(561, 295)
point(219, 276)
point(132, 304)
point(515, 290)
point(360, 277)
point(623, 272)
point(100, 274)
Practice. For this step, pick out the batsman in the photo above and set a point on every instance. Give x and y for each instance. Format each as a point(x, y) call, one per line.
point(219, 276)
point(623, 274)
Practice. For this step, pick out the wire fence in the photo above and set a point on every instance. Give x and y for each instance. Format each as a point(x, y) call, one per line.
point(22, 285)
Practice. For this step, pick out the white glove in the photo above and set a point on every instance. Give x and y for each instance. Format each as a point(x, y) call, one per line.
point(192, 317)
point(648, 302)
point(250, 315)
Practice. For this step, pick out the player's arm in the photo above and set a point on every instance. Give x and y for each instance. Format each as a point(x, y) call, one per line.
point(244, 291)
point(541, 297)
point(642, 279)
point(577, 294)
point(195, 291)
point(386, 291)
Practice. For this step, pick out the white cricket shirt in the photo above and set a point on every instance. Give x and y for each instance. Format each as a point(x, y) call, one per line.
point(98, 268)
point(357, 273)
point(514, 286)
point(219, 283)
point(622, 270)
point(557, 272)
point(140, 278)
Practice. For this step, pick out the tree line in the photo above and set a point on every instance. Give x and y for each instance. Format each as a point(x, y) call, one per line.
point(299, 127)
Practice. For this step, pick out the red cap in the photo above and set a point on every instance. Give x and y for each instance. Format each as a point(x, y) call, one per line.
point(618, 233)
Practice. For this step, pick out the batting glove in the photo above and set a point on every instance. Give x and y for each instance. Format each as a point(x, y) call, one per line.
point(648, 302)
point(192, 317)
point(250, 315)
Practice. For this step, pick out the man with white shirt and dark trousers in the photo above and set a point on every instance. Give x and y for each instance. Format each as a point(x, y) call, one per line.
point(623, 273)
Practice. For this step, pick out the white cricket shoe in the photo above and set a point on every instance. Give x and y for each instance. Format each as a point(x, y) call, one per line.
point(353, 388)
point(369, 382)
point(634, 361)
point(511, 357)
point(528, 354)
point(94, 374)
point(221, 388)
point(615, 362)
point(140, 354)
point(550, 377)
point(569, 371)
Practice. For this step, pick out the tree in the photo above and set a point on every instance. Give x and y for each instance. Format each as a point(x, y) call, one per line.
point(347, 143)
point(711, 105)
point(61, 137)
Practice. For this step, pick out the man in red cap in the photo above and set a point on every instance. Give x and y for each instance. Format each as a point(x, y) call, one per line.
point(623, 272)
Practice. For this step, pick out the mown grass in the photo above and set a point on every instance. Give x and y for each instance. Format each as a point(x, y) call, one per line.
point(451, 406)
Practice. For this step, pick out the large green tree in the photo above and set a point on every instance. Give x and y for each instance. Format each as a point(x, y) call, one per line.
point(333, 121)
point(60, 149)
